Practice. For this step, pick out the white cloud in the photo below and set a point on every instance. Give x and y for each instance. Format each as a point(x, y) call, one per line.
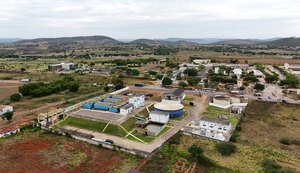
point(103, 16)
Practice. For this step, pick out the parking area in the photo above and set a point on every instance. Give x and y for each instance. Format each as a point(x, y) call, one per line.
point(99, 115)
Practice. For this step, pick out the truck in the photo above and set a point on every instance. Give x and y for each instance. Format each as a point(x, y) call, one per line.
point(139, 85)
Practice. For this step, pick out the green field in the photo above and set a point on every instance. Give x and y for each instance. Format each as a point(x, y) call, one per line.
point(82, 123)
point(215, 112)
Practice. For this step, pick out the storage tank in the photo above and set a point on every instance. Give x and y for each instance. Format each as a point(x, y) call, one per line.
point(174, 109)
point(102, 105)
point(88, 105)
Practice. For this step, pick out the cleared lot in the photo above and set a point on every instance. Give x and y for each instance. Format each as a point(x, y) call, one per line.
point(99, 115)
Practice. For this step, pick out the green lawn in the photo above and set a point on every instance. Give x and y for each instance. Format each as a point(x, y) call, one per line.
point(115, 130)
point(144, 112)
point(82, 123)
point(147, 139)
point(188, 98)
point(129, 124)
point(215, 112)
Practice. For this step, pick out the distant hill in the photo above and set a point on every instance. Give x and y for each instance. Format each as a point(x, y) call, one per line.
point(195, 40)
point(290, 41)
point(238, 42)
point(150, 42)
point(79, 39)
point(9, 40)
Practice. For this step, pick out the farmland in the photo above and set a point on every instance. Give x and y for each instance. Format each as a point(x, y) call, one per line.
point(41, 151)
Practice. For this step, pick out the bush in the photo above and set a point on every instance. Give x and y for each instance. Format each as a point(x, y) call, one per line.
point(15, 97)
point(225, 149)
point(271, 166)
point(288, 141)
point(167, 81)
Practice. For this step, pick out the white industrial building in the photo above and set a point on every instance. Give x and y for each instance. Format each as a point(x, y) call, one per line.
point(201, 61)
point(175, 96)
point(5, 108)
point(137, 101)
point(126, 109)
point(237, 72)
point(159, 117)
point(62, 66)
point(215, 124)
point(293, 68)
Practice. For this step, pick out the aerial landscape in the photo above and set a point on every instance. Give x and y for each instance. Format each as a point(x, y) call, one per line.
point(149, 86)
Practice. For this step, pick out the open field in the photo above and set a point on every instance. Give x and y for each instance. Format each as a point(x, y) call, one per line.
point(7, 88)
point(44, 152)
point(266, 123)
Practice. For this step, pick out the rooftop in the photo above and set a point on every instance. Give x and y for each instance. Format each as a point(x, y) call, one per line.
point(177, 92)
point(214, 120)
point(127, 106)
point(160, 112)
point(168, 106)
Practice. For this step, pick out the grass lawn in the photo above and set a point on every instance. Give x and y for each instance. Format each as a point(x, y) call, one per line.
point(144, 112)
point(163, 131)
point(129, 124)
point(189, 98)
point(147, 139)
point(214, 112)
point(115, 130)
point(82, 123)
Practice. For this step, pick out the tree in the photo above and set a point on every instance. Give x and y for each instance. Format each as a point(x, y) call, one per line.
point(271, 78)
point(259, 87)
point(132, 72)
point(290, 81)
point(225, 148)
point(118, 82)
point(193, 81)
point(197, 154)
point(271, 166)
point(159, 76)
point(167, 81)
point(106, 88)
point(23, 69)
point(191, 72)
point(15, 97)
point(201, 68)
point(8, 116)
point(182, 84)
point(73, 86)
point(153, 73)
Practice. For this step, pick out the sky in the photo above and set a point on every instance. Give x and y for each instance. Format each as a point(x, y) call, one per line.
point(130, 19)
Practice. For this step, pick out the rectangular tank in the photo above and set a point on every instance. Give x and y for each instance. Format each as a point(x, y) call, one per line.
point(102, 105)
point(113, 109)
point(88, 105)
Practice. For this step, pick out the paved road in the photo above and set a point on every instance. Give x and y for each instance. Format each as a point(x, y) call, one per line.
point(210, 94)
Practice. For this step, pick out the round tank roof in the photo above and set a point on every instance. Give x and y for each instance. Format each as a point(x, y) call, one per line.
point(168, 106)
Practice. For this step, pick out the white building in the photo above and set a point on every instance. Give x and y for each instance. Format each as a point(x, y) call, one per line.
point(201, 61)
point(5, 108)
point(175, 96)
point(68, 66)
point(159, 117)
point(237, 72)
point(258, 73)
point(7, 131)
point(292, 68)
point(137, 101)
point(216, 70)
point(217, 125)
point(126, 109)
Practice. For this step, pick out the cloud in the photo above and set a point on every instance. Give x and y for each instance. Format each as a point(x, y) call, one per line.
point(77, 16)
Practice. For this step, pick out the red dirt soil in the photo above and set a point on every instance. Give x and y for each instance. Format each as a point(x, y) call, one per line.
point(37, 153)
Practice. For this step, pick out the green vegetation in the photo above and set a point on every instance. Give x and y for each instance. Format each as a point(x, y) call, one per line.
point(8, 116)
point(288, 141)
point(166, 81)
point(129, 124)
point(271, 166)
point(225, 149)
point(215, 112)
point(182, 84)
point(291, 81)
point(124, 62)
point(44, 89)
point(191, 72)
point(15, 97)
point(193, 81)
point(259, 87)
point(82, 123)
point(115, 130)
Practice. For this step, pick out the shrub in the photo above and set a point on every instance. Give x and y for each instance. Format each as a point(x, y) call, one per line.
point(225, 149)
point(271, 166)
point(15, 97)
point(285, 141)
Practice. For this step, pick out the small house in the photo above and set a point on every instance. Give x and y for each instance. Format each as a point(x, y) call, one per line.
point(5, 108)
point(126, 109)
point(159, 117)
